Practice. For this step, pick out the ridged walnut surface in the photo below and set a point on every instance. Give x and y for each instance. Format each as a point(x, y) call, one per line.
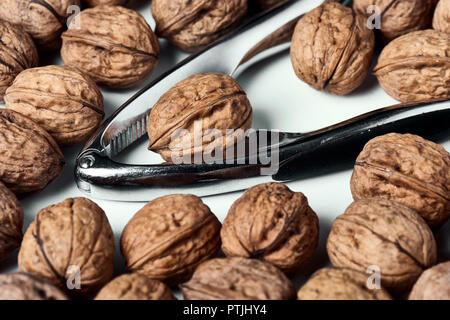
point(115, 46)
point(72, 234)
point(63, 101)
point(169, 237)
point(95, 3)
point(408, 169)
point(386, 234)
point(441, 18)
point(23, 286)
point(433, 284)
point(11, 221)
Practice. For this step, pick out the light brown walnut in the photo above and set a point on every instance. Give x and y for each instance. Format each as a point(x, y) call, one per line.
point(24, 286)
point(433, 284)
point(441, 18)
point(11, 221)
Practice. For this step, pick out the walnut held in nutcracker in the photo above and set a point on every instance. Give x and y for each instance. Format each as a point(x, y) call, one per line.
point(433, 284)
point(441, 18)
point(385, 234)
point(24, 286)
point(273, 223)
point(332, 48)
point(238, 279)
point(192, 25)
point(17, 53)
point(340, 284)
point(11, 221)
point(197, 106)
point(29, 157)
point(62, 100)
point(95, 3)
point(70, 239)
point(113, 45)
point(135, 286)
point(44, 20)
point(408, 169)
point(169, 237)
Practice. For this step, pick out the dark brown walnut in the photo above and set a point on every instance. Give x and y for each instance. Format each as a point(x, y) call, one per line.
point(384, 234)
point(272, 223)
point(408, 169)
point(169, 237)
point(238, 279)
point(332, 48)
point(193, 24)
point(433, 284)
point(135, 286)
point(441, 18)
point(95, 3)
point(340, 284)
point(68, 240)
point(11, 221)
point(62, 100)
point(29, 157)
point(17, 53)
point(23, 286)
point(113, 45)
point(202, 102)
point(44, 20)
point(416, 66)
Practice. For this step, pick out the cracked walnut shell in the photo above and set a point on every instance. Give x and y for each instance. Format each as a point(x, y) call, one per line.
point(69, 239)
point(11, 221)
point(272, 223)
point(24, 286)
point(169, 237)
point(408, 169)
point(62, 100)
point(441, 18)
point(433, 284)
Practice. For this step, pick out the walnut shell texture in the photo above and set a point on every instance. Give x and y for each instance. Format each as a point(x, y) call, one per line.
point(441, 18)
point(62, 100)
point(24, 286)
point(29, 157)
point(72, 234)
point(433, 284)
point(212, 100)
point(340, 284)
point(238, 279)
point(113, 45)
point(169, 237)
point(95, 3)
point(17, 53)
point(386, 234)
point(273, 223)
point(11, 221)
point(332, 48)
point(193, 24)
point(416, 66)
point(44, 20)
point(408, 169)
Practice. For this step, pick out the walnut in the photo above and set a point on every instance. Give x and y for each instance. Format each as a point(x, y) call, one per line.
point(192, 25)
point(433, 284)
point(169, 237)
point(416, 66)
point(332, 48)
point(273, 223)
point(29, 157)
point(135, 286)
point(11, 221)
point(63, 101)
point(95, 3)
point(238, 279)
point(23, 286)
point(408, 169)
point(17, 53)
point(340, 284)
point(441, 18)
point(385, 234)
point(44, 20)
point(115, 46)
point(68, 240)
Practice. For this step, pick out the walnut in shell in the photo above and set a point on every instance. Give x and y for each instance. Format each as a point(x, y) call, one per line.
point(332, 48)
point(273, 223)
point(340, 284)
point(62, 100)
point(70, 239)
point(192, 25)
point(29, 157)
point(433, 284)
point(408, 169)
point(95, 3)
point(135, 286)
point(11, 221)
point(416, 66)
point(113, 45)
point(17, 53)
point(44, 20)
point(385, 234)
point(441, 18)
point(238, 279)
point(169, 237)
point(24, 286)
